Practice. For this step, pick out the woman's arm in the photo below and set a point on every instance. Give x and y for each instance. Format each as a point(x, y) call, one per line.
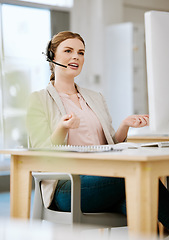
point(67, 121)
point(135, 121)
point(38, 124)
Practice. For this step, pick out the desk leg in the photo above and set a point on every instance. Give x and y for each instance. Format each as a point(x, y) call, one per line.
point(160, 225)
point(142, 201)
point(20, 189)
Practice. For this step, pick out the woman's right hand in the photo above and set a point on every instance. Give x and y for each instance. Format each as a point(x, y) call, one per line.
point(70, 121)
point(67, 122)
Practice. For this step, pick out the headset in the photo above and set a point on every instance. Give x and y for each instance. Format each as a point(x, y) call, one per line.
point(50, 55)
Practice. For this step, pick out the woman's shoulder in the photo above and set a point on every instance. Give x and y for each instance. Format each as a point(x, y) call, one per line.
point(37, 93)
point(38, 96)
point(40, 93)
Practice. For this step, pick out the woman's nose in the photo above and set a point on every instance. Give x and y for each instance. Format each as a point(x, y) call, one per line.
point(75, 55)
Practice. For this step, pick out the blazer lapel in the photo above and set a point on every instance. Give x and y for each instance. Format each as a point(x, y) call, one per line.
point(54, 94)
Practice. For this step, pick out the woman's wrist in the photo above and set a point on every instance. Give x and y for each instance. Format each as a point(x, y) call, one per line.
point(122, 132)
point(59, 134)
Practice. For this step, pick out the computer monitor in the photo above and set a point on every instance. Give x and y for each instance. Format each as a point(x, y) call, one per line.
point(157, 57)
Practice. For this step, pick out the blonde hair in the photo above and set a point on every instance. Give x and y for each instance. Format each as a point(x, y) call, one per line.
point(54, 43)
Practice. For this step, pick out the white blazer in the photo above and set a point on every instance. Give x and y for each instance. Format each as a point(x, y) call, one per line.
point(45, 110)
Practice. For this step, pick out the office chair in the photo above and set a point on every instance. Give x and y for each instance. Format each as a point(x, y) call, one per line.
point(75, 216)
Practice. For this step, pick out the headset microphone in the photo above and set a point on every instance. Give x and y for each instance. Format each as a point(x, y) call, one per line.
point(49, 60)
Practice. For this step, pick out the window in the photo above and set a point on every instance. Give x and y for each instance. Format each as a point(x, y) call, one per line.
point(25, 33)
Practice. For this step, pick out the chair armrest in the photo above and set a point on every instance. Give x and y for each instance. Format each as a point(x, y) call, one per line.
point(39, 176)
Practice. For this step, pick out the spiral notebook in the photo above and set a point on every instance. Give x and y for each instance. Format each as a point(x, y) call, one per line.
point(72, 148)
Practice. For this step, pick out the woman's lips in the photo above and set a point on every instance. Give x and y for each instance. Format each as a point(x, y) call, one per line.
point(73, 65)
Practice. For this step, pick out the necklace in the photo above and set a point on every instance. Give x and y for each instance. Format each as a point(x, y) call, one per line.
point(71, 93)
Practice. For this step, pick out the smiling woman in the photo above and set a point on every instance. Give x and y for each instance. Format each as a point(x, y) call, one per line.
point(65, 113)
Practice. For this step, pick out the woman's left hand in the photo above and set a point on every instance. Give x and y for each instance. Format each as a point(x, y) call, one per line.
point(136, 121)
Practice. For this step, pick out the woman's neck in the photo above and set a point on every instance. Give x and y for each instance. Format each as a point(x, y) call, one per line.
point(65, 87)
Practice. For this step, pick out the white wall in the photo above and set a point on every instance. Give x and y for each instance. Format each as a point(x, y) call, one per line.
point(91, 17)
point(86, 19)
point(133, 10)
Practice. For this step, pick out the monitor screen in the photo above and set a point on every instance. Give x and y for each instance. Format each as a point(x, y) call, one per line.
point(157, 57)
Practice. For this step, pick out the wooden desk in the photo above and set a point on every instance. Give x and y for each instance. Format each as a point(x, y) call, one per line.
point(147, 138)
point(141, 169)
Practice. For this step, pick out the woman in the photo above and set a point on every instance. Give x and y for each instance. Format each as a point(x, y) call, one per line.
point(65, 113)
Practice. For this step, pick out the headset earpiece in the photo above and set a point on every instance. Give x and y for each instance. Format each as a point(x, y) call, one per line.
point(50, 56)
point(49, 53)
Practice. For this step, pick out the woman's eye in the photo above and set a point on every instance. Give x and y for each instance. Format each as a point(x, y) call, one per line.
point(68, 51)
point(81, 53)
